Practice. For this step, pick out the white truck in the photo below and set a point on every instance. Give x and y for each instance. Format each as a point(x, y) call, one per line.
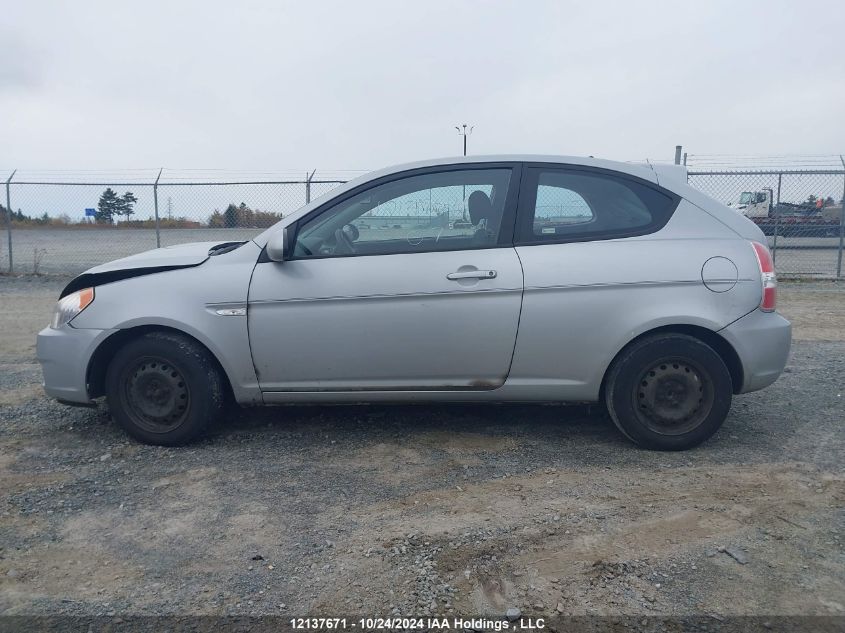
point(754, 204)
point(806, 219)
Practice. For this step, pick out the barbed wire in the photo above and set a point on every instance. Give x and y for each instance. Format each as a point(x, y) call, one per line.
point(148, 176)
point(792, 161)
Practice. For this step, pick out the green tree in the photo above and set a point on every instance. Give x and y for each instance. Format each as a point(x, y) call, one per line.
point(111, 205)
point(230, 217)
point(240, 215)
point(107, 207)
point(127, 204)
point(216, 220)
point(245, 215)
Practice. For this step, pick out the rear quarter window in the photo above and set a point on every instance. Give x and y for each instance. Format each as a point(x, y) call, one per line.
point(562, 205)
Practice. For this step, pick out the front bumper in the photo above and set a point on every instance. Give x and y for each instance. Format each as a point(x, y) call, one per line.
point(761, 340)
point(64, 355)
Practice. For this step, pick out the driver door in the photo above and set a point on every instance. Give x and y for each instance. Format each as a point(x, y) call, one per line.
point(399, 285)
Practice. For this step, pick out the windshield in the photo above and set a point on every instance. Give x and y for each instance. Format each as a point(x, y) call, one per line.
point(746, 198)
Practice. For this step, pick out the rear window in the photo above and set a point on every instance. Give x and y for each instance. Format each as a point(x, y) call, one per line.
point(573, 205)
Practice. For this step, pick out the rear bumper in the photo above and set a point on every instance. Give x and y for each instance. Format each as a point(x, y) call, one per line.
point(761, 340)
point(64, 355)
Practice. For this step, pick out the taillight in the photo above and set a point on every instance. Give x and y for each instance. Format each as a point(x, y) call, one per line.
point(767, 276)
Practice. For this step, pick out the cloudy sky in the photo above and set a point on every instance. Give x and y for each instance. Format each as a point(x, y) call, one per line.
point(356, 85)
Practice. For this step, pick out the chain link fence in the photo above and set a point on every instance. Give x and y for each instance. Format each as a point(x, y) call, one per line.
point(799, 210)
point(64, 226)
point(58, 225)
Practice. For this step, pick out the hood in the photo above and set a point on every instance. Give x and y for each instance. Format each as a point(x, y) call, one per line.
point(146, 263)
point(179, 255)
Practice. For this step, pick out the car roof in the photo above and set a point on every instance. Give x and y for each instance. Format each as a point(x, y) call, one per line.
point(647, 171)
point(635, 169)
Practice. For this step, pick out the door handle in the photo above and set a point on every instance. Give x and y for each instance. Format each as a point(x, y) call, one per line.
point(472, 274)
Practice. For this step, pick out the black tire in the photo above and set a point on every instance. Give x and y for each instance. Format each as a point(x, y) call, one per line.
point(164, 388)
point(668, 392)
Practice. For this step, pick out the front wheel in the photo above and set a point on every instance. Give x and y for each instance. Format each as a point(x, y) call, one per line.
point(164, 388)
point(669, 392)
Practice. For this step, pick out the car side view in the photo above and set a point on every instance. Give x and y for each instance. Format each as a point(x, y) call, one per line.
point(482, 279)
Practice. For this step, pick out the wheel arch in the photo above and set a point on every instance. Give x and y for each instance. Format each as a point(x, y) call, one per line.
point(98, 364)
point(713, 339)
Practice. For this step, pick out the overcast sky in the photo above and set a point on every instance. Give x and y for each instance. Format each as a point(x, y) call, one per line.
point(358, 85)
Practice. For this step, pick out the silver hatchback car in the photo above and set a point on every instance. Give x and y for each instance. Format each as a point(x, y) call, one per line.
point(487, 279)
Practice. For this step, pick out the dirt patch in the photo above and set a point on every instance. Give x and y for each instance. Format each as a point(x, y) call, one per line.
point(816, 309)
point(551, 538)
point(412, 460)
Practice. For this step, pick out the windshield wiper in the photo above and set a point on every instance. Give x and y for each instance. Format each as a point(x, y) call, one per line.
point(225, 247)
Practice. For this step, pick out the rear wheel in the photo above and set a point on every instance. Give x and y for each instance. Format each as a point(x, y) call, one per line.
point(669, 392)
point(164, 389)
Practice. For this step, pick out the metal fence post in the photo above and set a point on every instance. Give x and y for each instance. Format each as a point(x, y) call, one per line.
point(9, 217)
point(308, 178)
point(841, 226)
point(155, 202)
point(777, 221)
point(678, 154)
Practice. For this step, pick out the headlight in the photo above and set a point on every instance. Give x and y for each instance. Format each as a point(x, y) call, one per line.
point(68, 307)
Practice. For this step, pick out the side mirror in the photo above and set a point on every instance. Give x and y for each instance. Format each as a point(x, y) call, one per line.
point(277, 246)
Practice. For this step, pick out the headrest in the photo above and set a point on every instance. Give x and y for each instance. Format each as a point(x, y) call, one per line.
point(480, 207)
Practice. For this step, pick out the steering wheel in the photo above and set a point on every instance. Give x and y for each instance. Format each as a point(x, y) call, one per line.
point(343, 245)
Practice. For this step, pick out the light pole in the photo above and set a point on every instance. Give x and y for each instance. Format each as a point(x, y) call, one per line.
point(463, 132)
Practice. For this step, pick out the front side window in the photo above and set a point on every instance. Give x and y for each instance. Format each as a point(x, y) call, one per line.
point(448, 210)
point(574, 205)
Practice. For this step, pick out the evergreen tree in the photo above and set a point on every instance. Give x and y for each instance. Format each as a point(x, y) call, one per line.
point(108, 207)
point(230, 217)
point(111, 205)
point(127, 202)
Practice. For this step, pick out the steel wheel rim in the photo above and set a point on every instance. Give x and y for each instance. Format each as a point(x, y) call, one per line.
point(673, 396)
point(156, 394)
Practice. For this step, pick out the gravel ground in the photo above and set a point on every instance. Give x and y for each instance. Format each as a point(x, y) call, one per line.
point(464, 510)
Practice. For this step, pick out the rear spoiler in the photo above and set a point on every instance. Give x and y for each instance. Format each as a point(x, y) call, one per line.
point(669, 173)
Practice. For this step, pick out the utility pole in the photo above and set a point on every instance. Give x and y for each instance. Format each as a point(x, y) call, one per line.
point(464, 132)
